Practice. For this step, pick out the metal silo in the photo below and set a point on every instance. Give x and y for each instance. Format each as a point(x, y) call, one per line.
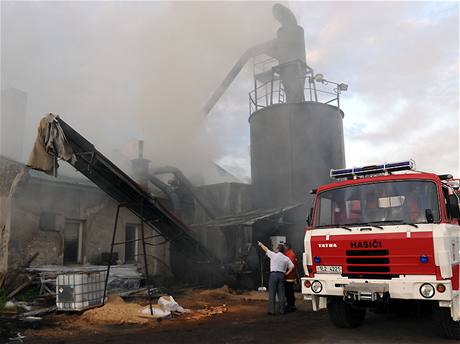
point(293, 148)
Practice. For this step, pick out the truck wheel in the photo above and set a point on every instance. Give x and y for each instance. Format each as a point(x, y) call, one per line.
point(446, 327)
point(343, 315)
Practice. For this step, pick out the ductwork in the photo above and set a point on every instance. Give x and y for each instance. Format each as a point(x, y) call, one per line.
point(288, 48)
point(168, 190)
point(284, 15)
point(207, 207)
point(251, 52)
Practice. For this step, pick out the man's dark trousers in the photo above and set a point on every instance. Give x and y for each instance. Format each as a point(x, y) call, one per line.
point(276, 286)
point(290, 297)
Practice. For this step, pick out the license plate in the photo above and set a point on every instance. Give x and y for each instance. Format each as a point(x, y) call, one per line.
point(329, 269)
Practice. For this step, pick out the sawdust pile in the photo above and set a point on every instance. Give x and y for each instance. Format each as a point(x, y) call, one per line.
point(228, 294)
point(205, 304)
point(223, 293)
point(207, 312)
point(116, 311)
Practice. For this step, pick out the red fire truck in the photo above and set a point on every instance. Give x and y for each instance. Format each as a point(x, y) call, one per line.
point(382, 234)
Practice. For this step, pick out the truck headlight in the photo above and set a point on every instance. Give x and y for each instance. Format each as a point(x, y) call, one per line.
point(427, 290)
point(316, 286)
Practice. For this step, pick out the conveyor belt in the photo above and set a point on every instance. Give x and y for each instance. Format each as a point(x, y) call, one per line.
point(102, 172)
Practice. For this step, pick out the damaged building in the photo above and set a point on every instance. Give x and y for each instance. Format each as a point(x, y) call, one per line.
point(67, 221)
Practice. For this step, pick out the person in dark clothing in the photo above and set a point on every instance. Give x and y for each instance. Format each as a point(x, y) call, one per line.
point(280, 265)
point(290, 279)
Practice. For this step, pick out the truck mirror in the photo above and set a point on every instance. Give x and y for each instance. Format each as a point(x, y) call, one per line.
point(429, 216)
point(452, 204)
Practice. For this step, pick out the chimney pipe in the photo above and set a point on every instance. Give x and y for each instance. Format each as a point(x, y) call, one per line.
point(140, 167)
point(140, 149)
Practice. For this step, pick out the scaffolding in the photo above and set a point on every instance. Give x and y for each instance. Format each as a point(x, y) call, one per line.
point(269, 89)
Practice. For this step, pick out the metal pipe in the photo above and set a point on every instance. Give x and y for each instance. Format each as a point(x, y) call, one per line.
point(251, 52)
point(147, 278)
point(314, 90)
point(111, 252)
point(271, 91)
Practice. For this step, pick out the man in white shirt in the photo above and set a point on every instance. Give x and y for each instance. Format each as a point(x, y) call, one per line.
point(280, 265)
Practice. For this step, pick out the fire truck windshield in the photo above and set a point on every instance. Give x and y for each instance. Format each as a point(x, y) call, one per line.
point(378, 203)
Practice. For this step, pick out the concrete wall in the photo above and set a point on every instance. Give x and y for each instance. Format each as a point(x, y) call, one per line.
point(4, 221)
point(8, 172)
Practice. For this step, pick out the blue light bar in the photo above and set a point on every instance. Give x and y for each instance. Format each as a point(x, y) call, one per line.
point(373, 169)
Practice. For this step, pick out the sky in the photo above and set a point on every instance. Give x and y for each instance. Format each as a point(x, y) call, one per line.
point(120, 71)
point(401, 62)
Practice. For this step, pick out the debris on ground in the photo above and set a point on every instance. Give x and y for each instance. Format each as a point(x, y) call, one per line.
point(134, 293)
point(39, 312)
point(9, 305)
point(141, 292)
point(15, 282)
point(117, 311)
point(20, 288)
point(207, 312)
point(122, 278)
point(17, 338)
point(9, 280)
point(205, 305)
point(12, 328)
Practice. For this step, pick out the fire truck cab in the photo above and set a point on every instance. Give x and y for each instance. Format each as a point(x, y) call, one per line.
point(380, 234)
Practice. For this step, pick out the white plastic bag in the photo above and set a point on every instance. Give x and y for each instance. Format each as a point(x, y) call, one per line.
point(157, 312)
point(169, 304)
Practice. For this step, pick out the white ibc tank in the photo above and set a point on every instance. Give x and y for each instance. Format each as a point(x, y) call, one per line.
point(76, 291)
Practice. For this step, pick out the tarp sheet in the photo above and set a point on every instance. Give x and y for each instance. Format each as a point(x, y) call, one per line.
point(50, 145)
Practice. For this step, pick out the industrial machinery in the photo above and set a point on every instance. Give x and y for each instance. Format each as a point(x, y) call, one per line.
point(100, 170)
point(376, 237)
point(295, 124)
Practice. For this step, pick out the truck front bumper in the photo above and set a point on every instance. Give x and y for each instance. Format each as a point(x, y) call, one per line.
point(408, 287)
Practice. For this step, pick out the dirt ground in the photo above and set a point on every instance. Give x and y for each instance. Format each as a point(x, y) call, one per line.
point(220, 316)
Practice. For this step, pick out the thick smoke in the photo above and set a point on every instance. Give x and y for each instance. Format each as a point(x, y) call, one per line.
point(126, 70)
point(118, 71)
